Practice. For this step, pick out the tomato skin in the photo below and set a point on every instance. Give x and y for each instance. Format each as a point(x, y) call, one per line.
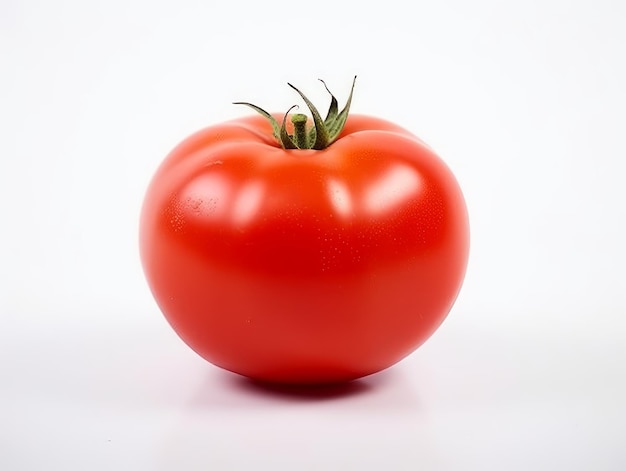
point(304, 266)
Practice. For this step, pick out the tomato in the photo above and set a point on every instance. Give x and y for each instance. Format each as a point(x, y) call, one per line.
point(304, 265)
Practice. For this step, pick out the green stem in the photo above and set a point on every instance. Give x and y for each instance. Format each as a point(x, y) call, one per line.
point(300, 134)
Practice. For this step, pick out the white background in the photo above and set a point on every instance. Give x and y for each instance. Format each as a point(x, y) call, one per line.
point(524, 100)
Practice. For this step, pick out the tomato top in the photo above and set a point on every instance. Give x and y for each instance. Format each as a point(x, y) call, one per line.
point(377, 191)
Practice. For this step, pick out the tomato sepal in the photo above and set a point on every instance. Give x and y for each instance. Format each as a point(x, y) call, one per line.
point(323, 132)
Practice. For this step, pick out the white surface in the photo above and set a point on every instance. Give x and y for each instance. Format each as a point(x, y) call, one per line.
point(525, 101)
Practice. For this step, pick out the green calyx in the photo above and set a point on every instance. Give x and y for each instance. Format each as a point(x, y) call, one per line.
point(319, 136)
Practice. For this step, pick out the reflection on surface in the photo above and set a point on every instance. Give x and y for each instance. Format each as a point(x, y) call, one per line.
point(246, 202)
point(204, 197)
point(340, 197)
point(216, 197)
point(399, 183)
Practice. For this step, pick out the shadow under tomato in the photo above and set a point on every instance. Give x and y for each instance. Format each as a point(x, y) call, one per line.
point(308, 392)
point(304, 392)
point(388, 391)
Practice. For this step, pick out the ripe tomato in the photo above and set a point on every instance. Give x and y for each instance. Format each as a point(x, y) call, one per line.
point(300, 265)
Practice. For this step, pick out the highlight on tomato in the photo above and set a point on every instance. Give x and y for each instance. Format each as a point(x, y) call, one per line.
point(296, 249)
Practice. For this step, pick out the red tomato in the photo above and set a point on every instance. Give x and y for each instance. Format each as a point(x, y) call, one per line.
point(302, 265)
